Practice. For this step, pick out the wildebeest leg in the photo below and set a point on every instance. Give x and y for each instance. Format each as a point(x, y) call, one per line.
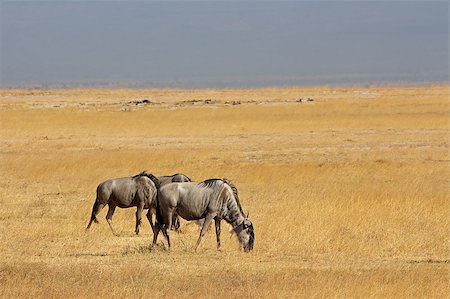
point(164, 231)
point(167, 224)
point(109, 217)
point(140, 208)
point(166, 221)
point(175, 223)
point(217, 222)
point(155, 233)
point(97, 208)
point(206, 223)
point(149, 217)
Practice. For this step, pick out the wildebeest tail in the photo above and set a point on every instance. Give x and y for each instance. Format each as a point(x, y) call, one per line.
point(93, 214)
point(159, 217)
point(157, 185)
point(94, 210)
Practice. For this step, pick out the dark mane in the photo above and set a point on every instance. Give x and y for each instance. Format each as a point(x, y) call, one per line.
point(140, 174)
point(185, 176)
point(235, 193)
point(209, 182)
point(150, 176)
point(173, 175)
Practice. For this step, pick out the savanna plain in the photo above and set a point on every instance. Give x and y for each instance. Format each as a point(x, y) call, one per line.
point(347, 188)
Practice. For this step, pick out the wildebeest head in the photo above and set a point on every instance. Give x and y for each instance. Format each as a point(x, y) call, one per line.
point(246, 235)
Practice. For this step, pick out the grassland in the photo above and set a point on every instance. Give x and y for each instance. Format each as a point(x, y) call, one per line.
point(348, 193)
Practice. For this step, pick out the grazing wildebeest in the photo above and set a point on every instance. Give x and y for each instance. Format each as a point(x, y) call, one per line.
point(210, 199)
point(124, 190)
point(138, 191)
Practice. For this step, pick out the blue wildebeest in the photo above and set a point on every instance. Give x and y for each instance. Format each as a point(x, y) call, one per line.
point(137, 191)
point(210, 199)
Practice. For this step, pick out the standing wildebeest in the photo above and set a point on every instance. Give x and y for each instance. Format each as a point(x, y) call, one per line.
point(136, 191)
point(210, 199)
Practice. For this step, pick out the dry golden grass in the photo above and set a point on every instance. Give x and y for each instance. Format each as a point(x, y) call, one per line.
point(349, 194)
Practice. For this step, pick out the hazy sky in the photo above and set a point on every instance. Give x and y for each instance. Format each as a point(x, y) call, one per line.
point(192, 44)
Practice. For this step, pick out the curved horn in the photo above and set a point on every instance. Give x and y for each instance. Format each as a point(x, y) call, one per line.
point(248, 213)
